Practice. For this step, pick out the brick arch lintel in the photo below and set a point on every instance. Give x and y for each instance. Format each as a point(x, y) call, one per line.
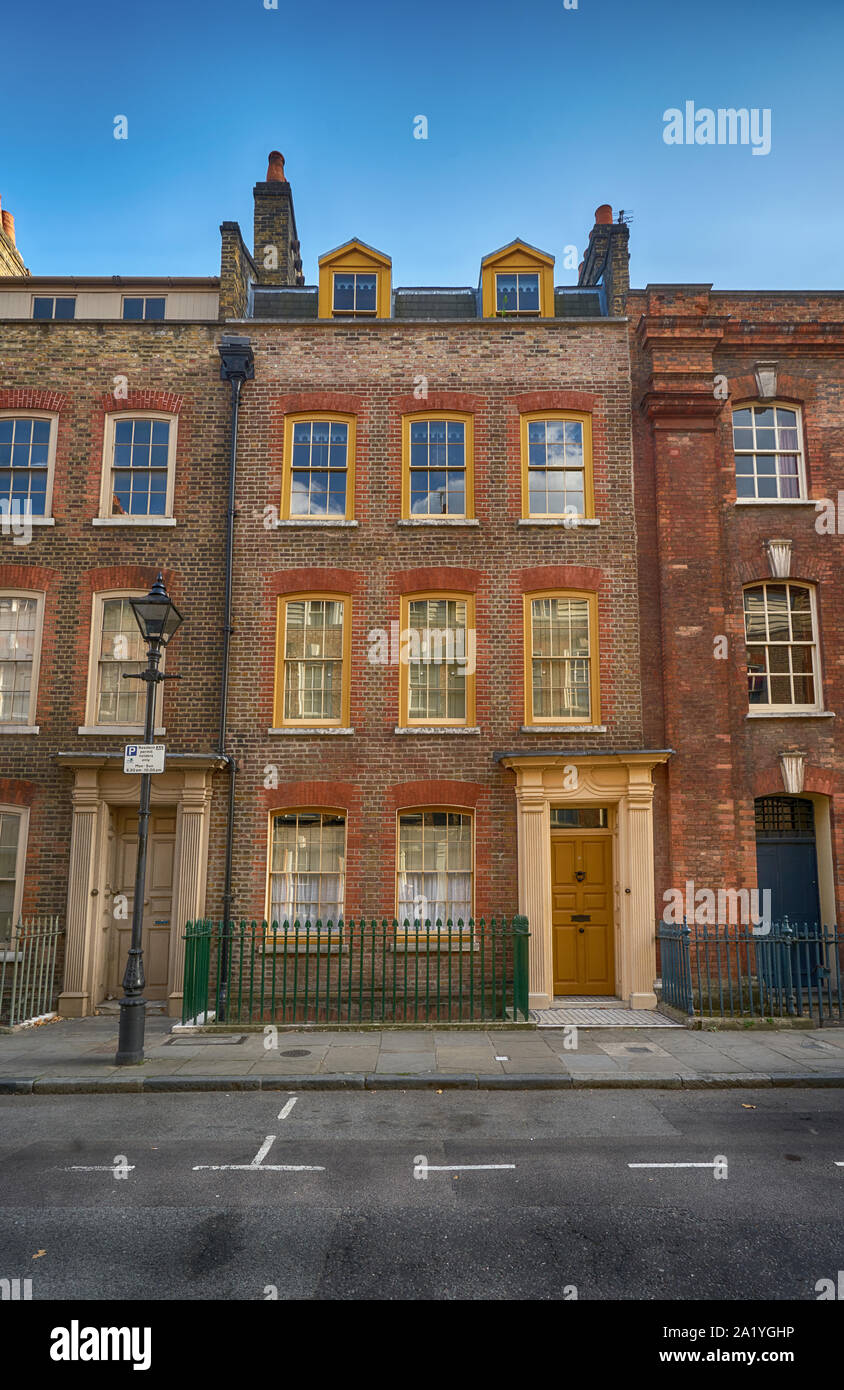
point(312, 579)
point(291, 796)
point(300, 402)
point(798, 389)
point(803, 571)
point(555, 400)
point(124, 577)
point(768, 781)
point(32, 398)
point(444, 577)
point(462, 401)
point(167, 402)
point(558, 577)
point(15, 791)
point(404, 795)
point(35, 577)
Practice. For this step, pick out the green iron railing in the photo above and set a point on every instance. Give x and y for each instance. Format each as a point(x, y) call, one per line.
point(28, 970)
point(356, 971)
point(736, 971)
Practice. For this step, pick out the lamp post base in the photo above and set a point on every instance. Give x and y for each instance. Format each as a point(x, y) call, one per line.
point(130, 1040)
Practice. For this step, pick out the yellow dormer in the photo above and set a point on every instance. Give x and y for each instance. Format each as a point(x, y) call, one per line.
point(354, 282)
point(517, 282)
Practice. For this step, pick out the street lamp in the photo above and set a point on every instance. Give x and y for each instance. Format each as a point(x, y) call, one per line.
point(158, 618)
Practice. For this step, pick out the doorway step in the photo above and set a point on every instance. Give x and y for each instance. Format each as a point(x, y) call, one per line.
point(598, 1011)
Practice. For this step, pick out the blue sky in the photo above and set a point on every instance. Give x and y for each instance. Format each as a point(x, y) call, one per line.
point(536, 115)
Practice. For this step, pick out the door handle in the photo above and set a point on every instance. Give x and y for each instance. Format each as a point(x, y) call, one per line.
point(581, 930)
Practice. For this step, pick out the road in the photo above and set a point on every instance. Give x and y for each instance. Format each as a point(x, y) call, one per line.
point(335, 1206)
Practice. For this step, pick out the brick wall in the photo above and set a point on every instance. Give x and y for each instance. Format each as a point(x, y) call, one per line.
point(490, 369)
point(697, 550)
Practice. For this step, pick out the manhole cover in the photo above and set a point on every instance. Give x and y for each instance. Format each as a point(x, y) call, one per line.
point(295, 1052)
point(638, 1049)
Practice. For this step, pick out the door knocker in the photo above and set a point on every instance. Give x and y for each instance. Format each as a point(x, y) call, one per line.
point(580, 875)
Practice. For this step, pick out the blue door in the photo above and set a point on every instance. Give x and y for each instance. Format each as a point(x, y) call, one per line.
point(787, 865)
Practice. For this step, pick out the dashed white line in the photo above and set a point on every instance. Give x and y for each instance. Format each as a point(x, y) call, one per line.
point(421, 1167)
point(285, 1111)
point(257, 1165)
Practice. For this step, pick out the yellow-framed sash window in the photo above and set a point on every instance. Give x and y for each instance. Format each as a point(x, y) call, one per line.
point(437, 652)
point(307, 867)
point(561, 658)
point(313, 661)
point(438, 465)
point(319, 467)
point(557, 465)
point(434, 869)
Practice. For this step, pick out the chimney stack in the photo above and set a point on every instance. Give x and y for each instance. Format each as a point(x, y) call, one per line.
point(11, 261)
point(276, 246)
point(607, 260)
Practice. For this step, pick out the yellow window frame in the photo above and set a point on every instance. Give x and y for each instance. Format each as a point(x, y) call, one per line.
point(463, 418)
point(280, 722)
point(581, 417)
point(311, 417)
point(594, 658)
point(405, 722)
point(299, 811)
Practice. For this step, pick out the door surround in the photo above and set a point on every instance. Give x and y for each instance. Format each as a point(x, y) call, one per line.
point(100, 785)
point(625, 782)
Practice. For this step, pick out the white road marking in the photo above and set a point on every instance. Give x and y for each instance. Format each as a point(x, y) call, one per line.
point(99, 1168)
point(839, 1163)
point(263, 1151)
point(719, 1165)
point(257, 1165)
point(283, 1113)
point(421, 1167)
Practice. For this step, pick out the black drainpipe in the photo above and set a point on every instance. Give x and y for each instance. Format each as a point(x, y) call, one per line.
point(236, 366)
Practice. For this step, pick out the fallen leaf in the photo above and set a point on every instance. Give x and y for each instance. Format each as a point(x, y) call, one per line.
point(747, 1107)
point(439, 1093)
point(38, 1254)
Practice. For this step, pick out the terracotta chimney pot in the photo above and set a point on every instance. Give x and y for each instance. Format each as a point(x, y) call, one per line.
point(275, 169)
point(603, 214)
point(9, 226)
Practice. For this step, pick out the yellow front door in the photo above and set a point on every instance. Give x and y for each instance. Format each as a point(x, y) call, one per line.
point(157, 899)
point(582, 912)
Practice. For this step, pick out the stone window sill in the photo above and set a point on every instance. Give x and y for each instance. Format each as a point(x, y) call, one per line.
point(790, 714)
point(305, 524)
point(437, 729)
point(102, 729)
point(569, 523)
point(438, 521)
point(774, 502)
point(133, 521)
point(20, 729)
point(437, 942)
point(310, 730)
point(563, 729)
point(24, 520)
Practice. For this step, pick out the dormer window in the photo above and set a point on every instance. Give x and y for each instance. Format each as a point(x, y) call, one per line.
point(517, 280)
point(355, 293)
point(517, 294)
point(354, 283)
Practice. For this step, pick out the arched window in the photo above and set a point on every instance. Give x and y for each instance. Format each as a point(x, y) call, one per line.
point(307, 866)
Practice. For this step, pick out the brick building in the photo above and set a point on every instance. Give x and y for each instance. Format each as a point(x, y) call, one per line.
point(739, 447)
point(483, 486)
point(113, 433)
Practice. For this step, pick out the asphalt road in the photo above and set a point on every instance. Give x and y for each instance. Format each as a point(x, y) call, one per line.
point(355, 1223)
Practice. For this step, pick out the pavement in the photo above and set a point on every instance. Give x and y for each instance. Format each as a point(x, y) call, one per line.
point(77, 1055)
point(640, 1195)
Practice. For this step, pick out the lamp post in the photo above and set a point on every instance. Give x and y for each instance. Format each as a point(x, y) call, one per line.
point(158, 618)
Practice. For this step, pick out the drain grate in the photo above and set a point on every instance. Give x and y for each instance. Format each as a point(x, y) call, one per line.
point(296, 1052)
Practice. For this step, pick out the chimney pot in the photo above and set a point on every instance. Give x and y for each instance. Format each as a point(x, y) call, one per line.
point(603, 214)
point(9, 226)
point(275, 169)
